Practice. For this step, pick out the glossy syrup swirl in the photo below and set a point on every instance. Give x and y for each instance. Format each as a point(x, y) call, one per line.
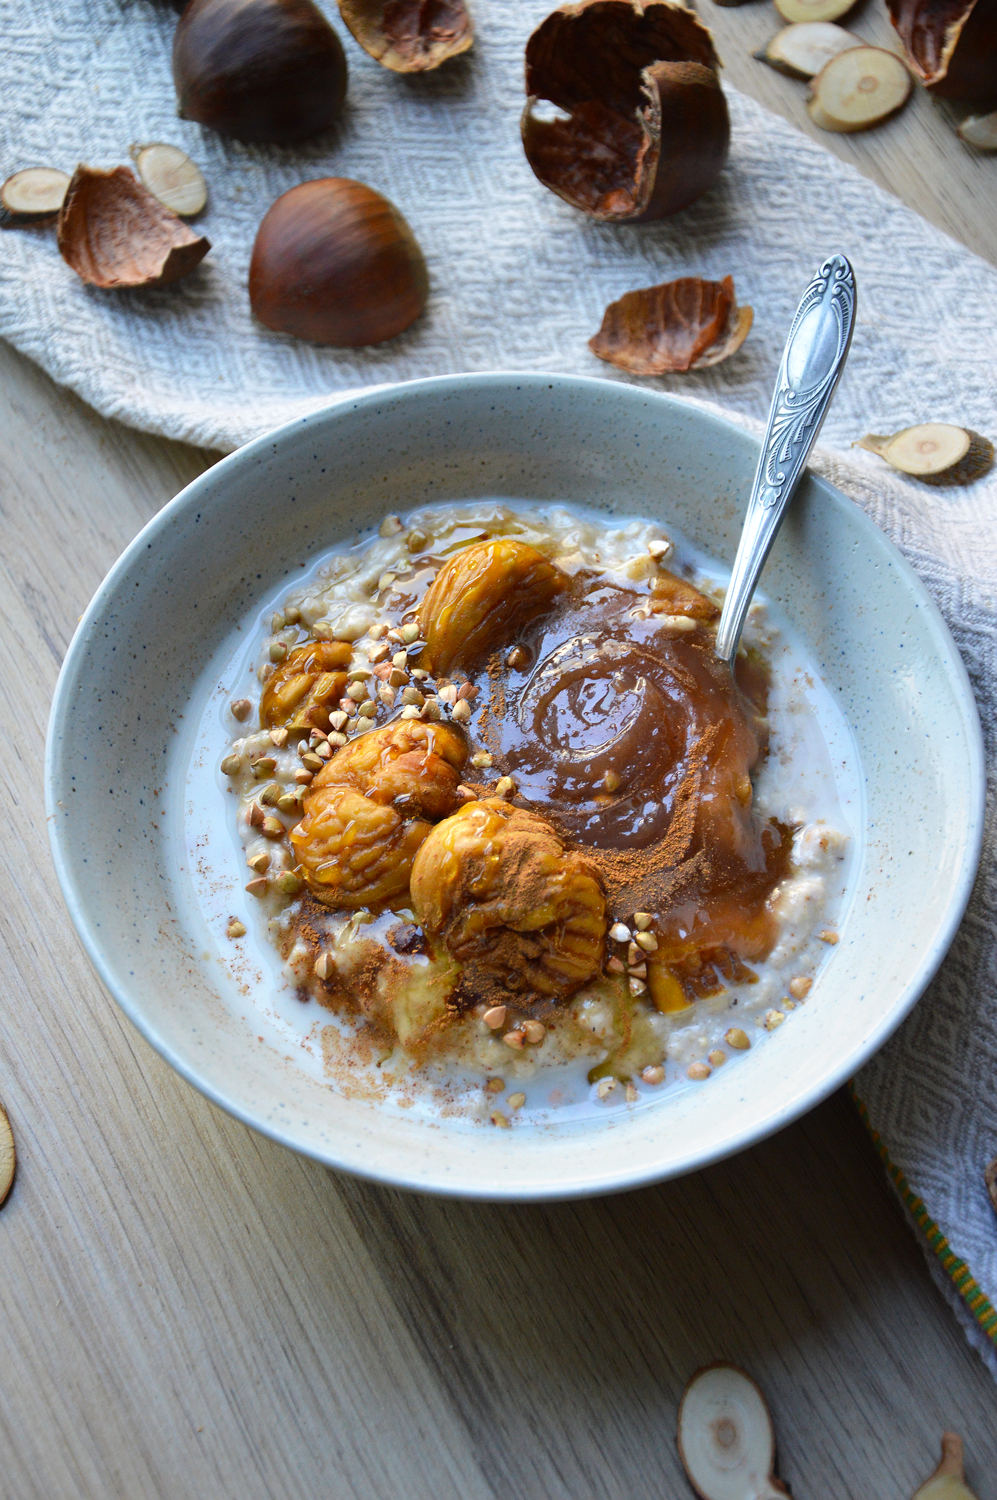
point(622, 728)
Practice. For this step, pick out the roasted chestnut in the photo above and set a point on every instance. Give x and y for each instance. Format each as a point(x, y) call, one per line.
point(259, 70)
point(645, 128)
point(335, 262)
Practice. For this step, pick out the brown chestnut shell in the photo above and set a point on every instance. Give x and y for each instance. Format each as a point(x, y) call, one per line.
point(688, 324)
point(951, 45)
point(115, 233)
point(409, 36)
point(647, 128)
point(334, 262)
point(258, 70)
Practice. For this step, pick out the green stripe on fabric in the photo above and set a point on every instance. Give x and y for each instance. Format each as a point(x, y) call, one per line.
point(976, 1300)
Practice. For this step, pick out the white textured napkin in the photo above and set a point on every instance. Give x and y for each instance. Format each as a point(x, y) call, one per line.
point(519, 281)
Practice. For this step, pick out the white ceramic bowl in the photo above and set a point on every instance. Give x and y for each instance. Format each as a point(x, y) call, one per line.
point(160, 626)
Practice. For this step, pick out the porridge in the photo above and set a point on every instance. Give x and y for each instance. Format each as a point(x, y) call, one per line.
point(515, 843)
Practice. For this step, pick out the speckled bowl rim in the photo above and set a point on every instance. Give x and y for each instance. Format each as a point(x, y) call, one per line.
point(619, 1179)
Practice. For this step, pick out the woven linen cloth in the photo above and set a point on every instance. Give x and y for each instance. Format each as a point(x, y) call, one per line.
point(519, 281)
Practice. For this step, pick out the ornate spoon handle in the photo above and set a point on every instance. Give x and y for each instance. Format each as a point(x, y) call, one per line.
point(811, 366)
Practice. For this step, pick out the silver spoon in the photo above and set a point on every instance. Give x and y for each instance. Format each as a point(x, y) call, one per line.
point(811, 367)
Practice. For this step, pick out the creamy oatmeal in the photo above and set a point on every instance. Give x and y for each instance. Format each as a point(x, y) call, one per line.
point(513, 841)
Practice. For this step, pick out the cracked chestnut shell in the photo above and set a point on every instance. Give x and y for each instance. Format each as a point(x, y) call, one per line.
point(259, 70)
point(115, 233)
point(409, 36)
point(645, 129)
point(681, 325)
point(951, 45)
point(334, 262)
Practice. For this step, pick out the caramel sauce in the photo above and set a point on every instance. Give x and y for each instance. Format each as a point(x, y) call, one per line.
point(629, 736)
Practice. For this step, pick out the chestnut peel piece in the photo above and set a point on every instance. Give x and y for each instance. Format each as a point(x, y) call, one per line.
point(682, 325)
point(409, 36)
point(335, 262)
point(951, 45)
point(259, 70)
point(115, 233)
point(646, 129)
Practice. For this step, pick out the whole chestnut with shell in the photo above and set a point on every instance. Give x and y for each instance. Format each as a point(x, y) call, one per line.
point(334, 262)
point(259, 70)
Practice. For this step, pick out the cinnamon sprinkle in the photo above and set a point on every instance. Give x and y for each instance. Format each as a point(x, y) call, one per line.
point(655, 876)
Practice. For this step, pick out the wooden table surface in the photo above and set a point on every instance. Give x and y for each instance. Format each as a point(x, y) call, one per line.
point(191, 1312)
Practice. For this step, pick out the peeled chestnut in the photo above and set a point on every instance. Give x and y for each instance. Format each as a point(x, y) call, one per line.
point(260, 70)
point(951, 45)
point(335, 262)
point(644, 128)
